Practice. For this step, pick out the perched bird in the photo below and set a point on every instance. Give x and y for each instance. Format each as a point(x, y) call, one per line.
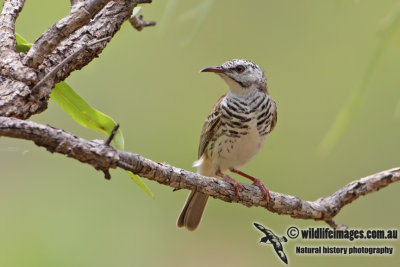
point(233, 132)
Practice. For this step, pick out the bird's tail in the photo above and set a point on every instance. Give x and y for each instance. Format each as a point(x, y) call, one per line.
point(196, 202)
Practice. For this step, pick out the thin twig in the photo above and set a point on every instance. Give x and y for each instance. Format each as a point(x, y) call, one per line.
point(107, 174)
point(138, 23)
point(103, 157)
point(112, 134)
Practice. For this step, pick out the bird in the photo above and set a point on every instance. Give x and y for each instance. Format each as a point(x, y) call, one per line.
point(271, 238)
point(233, 133)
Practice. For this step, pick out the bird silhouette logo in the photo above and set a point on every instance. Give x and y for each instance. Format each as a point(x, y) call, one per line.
point(274, 240)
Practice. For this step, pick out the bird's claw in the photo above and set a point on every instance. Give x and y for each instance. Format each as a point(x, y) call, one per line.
point(263, 188)
point(234, 183)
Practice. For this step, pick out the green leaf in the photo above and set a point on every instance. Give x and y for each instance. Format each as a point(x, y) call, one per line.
point(84, 114)
point(91, 118)
point(140, 183)
point(22, 44)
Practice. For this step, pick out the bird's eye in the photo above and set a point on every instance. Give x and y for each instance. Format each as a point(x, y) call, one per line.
point(239, 68)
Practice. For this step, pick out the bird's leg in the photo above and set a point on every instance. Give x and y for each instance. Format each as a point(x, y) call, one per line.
point(228, 179)
point(256, 182)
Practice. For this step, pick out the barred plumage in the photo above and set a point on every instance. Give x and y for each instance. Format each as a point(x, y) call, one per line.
point(233, 133)
point(243, 125)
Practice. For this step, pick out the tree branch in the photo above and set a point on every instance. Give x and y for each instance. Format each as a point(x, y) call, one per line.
point(102, 157)
point(16, 97)
point(80, 15)
point(73, 3)
point(66, 61)
point(9, 14)
point(10, 64)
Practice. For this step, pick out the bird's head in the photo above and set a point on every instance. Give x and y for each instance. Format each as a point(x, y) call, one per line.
point(242, 76)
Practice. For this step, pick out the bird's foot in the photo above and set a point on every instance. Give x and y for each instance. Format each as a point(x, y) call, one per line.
point(263, 188)
point(234, 183)
point(257, 182)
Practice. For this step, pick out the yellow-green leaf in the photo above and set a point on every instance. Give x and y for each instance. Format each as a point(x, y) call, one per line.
point(84, 114)
point(140, 183)
point(22, 44)
point(91, 118)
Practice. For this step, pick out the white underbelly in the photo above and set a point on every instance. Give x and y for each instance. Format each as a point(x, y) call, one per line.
point(235, 152)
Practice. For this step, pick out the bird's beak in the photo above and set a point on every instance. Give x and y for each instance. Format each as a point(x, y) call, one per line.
point(217, 69)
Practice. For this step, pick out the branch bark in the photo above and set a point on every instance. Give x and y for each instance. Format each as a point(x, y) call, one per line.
point(9, 14)
point(80, 15)
point(88, 21)
point(102, 157)
point(66, 41)
point(74, 2)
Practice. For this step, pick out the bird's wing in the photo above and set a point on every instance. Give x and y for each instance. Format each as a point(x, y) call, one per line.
point(210, 127)
point(274, 114)
point(280, 252)
point(262, 229)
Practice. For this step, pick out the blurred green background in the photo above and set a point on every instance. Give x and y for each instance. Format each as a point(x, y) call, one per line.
point(56, 211)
